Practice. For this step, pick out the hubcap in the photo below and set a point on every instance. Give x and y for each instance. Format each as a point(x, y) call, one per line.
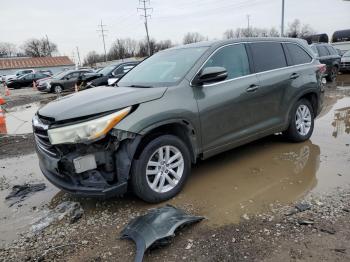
point(58, 89)
point(165, 169)
point(303, 120)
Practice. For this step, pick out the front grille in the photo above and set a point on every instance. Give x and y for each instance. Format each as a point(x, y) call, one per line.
point(42, 139)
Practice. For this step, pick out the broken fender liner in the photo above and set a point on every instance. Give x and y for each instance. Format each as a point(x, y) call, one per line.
point(156, 227)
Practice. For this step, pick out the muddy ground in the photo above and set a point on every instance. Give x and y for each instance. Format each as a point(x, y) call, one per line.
point(247, 196)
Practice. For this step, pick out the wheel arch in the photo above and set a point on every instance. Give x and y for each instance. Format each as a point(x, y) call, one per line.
point(177, 127)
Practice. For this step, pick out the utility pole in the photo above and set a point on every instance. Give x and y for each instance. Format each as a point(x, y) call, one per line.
point(145, 16)
point(48, 45)
point(102, 31)
point(282, 22)
point(78, 57)
point(248, 18)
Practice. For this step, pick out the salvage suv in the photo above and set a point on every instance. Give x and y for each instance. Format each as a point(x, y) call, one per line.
point(180, 105)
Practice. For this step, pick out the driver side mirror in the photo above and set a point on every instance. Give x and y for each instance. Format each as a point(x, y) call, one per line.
point(211, 74)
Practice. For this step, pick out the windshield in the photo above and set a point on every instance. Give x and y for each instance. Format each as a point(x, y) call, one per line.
point(347, 53)
point(105, 71)
point(164, 68)
point(59, 75)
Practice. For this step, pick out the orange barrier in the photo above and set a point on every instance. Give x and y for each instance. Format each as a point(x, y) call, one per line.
point(3, 129)
point(2, 101)
point(7, 90)
point(76, 88)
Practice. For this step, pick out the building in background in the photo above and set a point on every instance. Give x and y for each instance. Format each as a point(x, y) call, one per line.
point(54, 64)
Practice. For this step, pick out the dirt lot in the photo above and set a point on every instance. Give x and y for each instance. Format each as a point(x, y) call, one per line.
point(248, 196)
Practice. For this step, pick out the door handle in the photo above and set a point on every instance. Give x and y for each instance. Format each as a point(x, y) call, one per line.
point(252, 88)
point(294, 76)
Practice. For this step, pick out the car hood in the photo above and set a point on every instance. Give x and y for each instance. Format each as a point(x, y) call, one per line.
point(98, 100)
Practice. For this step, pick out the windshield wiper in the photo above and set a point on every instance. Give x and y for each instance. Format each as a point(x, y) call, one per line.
point(140, 86)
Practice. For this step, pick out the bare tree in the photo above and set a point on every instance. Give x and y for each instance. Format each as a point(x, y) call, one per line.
point(229, 34)
point(92, 58)
point(39, 47)
point(296, 29)
point(273, 32)
point(7, 49)
point(193, 38)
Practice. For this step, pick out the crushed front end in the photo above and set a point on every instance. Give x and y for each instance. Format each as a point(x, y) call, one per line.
point(97, 168)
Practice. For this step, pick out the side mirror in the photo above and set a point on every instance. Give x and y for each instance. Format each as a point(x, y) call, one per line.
point(211, 74)
point(113, 74)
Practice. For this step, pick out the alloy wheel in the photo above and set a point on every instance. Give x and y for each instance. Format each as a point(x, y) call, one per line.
point(58, 89)
point(303, 120)
point(165, 169)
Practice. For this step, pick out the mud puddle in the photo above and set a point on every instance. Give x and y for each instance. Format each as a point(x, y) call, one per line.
point(19, 217)
point(18, 120)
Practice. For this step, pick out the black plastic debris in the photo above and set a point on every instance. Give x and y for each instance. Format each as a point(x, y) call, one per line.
point(156, 228)
point(301, 207)
point(21, 191)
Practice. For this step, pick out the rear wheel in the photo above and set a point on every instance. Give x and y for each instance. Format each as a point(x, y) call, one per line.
point(333, 74)
point(161, 170)
point(301, 123)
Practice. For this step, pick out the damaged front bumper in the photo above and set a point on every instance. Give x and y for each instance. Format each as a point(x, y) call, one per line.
point(105, 172)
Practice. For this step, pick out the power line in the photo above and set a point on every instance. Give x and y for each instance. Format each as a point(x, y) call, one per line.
point(146, 16)
point(102, 31)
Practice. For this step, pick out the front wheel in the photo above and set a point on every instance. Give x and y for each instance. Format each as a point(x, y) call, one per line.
point(301, 123)
point(57, 89)
point(161, 170)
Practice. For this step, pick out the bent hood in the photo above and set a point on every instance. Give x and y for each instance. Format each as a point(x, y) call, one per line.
point(98, 100)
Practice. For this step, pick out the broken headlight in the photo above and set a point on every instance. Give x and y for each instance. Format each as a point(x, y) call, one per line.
point(86, 131)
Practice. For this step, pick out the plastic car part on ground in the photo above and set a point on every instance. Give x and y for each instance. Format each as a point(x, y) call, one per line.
point(156, 228)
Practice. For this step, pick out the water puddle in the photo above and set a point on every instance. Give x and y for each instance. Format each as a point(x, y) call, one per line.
point(18, 218)
point(18, 120)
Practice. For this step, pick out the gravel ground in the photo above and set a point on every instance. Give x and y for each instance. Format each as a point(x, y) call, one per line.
point(18, 145)
point(318, 234)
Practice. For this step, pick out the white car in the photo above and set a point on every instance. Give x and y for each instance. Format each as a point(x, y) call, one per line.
point(17, 74)
point(345, 62)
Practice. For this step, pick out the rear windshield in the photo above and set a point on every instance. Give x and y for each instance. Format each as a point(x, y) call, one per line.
point(165, 68)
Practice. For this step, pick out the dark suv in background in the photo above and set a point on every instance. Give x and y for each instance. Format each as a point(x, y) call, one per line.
point(179, 105)
point(101, 77)
point(64, 81)
point(329, 56)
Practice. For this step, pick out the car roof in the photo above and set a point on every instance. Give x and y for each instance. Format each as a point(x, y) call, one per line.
point(242, 40)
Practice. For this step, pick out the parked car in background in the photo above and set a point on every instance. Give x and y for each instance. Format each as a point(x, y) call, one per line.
point(330, 57)
point(341, 40)
point(47, 72)
point(101, 77)
point(25, 80)
point(64, 81)
point(17, 74)
point(345, 62)
point(179, 105)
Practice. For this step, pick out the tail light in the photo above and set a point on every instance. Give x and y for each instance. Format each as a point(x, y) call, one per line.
point(322, 68)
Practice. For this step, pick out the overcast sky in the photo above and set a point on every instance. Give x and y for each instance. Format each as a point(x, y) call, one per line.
point(74, 23)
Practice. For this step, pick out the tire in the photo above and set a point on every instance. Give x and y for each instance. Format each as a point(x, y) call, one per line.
point(57, 89)
point(333, 74)
point(149, 160)
point(295, 132)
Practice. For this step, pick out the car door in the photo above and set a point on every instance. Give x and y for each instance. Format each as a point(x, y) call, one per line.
point(225, 107)
point(70, 80)
point(27, 80)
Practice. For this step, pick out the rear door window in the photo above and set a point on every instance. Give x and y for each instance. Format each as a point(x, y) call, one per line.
point(298, 54)
point(331, 50)
point(233, 58)
point(322, 50)
point(268, 56)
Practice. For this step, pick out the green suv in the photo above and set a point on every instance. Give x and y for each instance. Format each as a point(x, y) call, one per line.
point(179, 105)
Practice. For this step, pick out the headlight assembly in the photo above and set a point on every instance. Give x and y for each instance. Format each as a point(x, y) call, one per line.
point(87, 131)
